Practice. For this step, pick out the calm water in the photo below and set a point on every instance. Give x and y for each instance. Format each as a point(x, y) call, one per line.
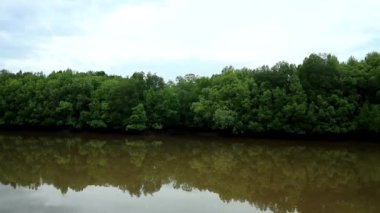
point(92, 173)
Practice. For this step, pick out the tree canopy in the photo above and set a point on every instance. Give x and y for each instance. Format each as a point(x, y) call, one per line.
point(319, 96)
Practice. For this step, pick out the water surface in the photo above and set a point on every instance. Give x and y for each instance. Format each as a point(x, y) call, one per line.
point(93, 173)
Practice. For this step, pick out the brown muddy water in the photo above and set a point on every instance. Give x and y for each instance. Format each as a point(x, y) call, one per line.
point(108, 173)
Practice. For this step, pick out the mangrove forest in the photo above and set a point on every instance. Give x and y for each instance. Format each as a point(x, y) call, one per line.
point(320, 96)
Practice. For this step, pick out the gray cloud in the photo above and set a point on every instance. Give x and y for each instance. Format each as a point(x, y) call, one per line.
point(172, 38)
point(27, 24)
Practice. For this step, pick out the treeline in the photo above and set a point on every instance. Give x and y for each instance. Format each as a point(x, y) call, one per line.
point(319, 96)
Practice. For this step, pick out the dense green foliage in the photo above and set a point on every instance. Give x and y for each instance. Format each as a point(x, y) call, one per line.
point(320, 96)
point(278, 177)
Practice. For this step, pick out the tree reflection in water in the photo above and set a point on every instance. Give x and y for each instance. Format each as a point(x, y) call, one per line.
point(279, 176)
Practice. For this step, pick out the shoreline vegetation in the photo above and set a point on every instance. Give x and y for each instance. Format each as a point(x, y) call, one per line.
point(320, 97)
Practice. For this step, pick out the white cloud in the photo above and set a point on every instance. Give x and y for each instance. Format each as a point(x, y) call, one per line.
point(240, 32)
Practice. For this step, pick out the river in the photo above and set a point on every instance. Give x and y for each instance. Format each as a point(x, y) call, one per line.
point(44, 172)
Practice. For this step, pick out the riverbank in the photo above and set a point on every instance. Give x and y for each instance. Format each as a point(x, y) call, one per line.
point(374, 138)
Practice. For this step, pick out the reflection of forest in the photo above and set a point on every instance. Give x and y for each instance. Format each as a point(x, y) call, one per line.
point(279, 177)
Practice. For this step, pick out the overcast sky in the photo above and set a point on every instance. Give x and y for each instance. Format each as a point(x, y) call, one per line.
point(175, 37)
